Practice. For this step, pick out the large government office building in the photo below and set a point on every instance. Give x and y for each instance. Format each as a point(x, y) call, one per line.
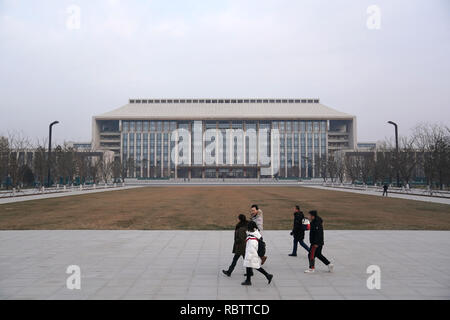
point(141, 134)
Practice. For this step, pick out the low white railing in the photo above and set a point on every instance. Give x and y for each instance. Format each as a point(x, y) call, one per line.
point(392, 189)
point(17, 192)
point(309, 182)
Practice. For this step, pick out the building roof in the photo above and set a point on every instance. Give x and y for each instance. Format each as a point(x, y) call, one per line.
point(223, 109)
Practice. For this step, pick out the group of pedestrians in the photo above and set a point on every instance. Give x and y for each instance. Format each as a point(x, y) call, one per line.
point(316, 239)
point(249, 243)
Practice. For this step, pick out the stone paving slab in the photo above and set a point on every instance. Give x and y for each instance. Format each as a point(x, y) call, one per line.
point(187, 265)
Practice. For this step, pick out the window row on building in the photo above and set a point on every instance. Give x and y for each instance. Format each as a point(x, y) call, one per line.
point(152, 152)
point(169, 126)
point(224, 100)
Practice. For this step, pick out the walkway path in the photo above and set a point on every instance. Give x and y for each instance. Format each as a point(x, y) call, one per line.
point(188, 264)
point(380, 194)
point(226, 183)
point(60, 193)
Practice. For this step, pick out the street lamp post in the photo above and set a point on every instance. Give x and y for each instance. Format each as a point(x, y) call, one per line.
point(396, 151)
point(50, 149)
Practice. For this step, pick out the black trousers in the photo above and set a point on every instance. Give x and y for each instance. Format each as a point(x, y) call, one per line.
point(316, 252)
point(233, 263)
point(250, 273)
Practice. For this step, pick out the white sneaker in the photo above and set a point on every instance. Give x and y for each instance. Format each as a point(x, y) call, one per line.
point(309, 270)
point(330, 267)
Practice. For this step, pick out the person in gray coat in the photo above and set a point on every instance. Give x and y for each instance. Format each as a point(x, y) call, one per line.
point(256, 215)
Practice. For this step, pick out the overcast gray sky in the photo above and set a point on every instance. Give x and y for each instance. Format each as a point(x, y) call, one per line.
point(52, 70)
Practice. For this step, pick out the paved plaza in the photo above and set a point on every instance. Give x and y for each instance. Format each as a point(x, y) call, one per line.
point(188, 264)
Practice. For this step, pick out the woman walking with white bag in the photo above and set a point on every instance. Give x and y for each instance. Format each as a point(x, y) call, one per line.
point(252, 259)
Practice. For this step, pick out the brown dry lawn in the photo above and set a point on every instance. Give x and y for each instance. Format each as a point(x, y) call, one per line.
point(216, 207)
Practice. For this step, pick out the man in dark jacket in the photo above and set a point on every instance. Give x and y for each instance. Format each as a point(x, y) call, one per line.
point(240, 235)
point(316, 241)
point(385, 190)
point(298, 231)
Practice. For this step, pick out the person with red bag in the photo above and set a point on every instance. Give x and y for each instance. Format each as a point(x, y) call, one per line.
point(298, 231)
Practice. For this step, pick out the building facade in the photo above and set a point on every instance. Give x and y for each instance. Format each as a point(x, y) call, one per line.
point(214, 138)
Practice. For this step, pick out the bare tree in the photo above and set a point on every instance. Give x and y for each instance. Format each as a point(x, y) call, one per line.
point(28, 176)
point(433, 142)
point(40, 162)
point(352, 168)
point(366, 164)
point(81, 166)
point(340, 169)
point(4, 159)
point(407, 158)
point(94, 166)
point(106, 168)
point(383, 162)
point(18, 146)
point(320, 165)
point(124, 170)
point(67, 163)
point(131, 166)
point(117, 169)
point(332, 167)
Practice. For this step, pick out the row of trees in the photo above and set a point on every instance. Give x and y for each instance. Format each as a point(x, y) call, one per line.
point(424, 156)
point(23, 163)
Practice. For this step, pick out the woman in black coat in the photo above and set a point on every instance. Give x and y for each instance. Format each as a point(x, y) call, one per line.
point(240, 235)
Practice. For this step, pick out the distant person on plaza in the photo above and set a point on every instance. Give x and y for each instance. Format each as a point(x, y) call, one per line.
point(385, 190)
point(298, 231)
point(316, 240)
point(240, 235)
point(256, 215)
point(252, 259)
